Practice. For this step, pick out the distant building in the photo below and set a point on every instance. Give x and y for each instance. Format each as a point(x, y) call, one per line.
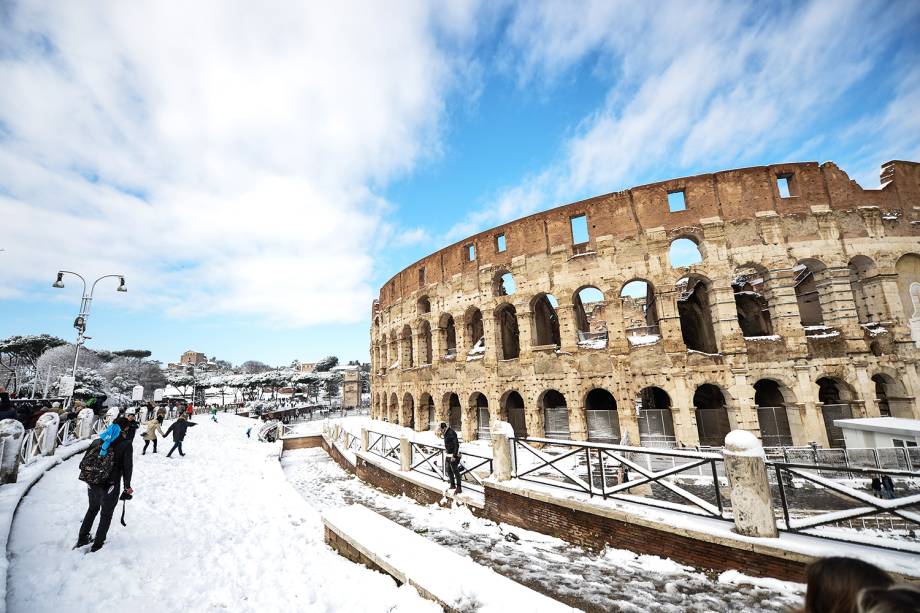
point(351, 386)
point(880, 432)
point(307, 366)
point(193, 358)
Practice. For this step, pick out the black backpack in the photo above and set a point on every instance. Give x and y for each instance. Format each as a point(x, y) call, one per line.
point(94, 468)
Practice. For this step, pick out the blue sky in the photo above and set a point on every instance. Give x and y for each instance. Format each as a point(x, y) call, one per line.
point(257, 173)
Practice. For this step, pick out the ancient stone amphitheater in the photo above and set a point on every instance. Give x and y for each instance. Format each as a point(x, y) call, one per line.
point(774, 299)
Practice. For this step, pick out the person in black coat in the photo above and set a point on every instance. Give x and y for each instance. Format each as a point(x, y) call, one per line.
point(452, 450)
point(104, 497)
point(178, 429)
point(6, 408)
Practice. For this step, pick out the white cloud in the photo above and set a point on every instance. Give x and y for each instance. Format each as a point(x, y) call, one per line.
point(224, 156)
point(701, 85)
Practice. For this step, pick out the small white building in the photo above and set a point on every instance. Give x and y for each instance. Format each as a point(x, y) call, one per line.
point(880, 432)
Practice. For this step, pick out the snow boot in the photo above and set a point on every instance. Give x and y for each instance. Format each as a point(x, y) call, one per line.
point(97, 545)
point(83, 541)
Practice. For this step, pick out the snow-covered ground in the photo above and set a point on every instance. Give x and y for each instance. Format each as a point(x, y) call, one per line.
point(615, 580)
point(219, 529)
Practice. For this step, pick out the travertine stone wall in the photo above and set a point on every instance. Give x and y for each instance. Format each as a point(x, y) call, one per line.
point(737, 218)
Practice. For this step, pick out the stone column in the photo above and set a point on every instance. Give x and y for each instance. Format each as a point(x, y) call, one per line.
point(46, 429)
point(468, 417)
point(578, 422)
point(752, 505)
point(724, 314)
point(812, 418)
point(525, 331)
point(501, 431)
point(85, 423)
point(784, 310)
point(838, 306)
point(865, 390)
point(568, 331)
point(682, 412)
point(493, 339)
point(405, 454)
point(669, 321)
point(365, 439)
point(11, 437)
point(616, 331)
point(745, 410)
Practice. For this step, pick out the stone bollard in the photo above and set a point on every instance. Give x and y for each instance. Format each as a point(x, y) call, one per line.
point(46, 429)
point(405, 454)
point(752, 504)
point(11, 437)
point(501, 432)
point(85, 423)
point(365, 439)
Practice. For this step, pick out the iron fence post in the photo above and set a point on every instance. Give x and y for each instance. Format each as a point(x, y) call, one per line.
point(782, 495)
point(715, 482)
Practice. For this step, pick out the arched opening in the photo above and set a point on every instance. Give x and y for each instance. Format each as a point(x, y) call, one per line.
point(408, 411)
point(503, 284)
point(448, 332)
point(513, 405)
point(751, 303)
point(474, 333)
point(545, 321)
point(711, 415)
point(454, 412)
point(908, 269)
point(480, 405)
point(771, 414)
point(384, 361)
point(891, 397)
point(881, 395)
point(423, 305)
point(426, 410)
point(806, 292)
point(868, 294)
point(555, 415)
point(656, 424)
point(590, 318)
point(507, 324)
point(835, 397)
point(601, 415)
point(640, 313)
point(695, 316)
point(684, 252)
point(424, 349)
point(393, 413)
point(408, 356)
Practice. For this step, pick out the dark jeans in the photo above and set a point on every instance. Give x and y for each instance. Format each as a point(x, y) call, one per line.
point(103, 497)
point(176, 445)
point(453, 472)
point(147, 442)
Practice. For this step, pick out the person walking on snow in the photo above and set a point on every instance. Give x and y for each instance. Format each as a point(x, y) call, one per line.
point(178, 429)
point(214, 413)
point(452, 449)
point(190, 410)
point(103, 476)
point(151, 428)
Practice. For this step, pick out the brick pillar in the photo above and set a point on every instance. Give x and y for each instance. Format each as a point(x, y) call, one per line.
point(493, 339)
point(784, 310)
point(533, 416)
point(629, 424)
point(578, 423)
point(568, 331)
point(525, 330)
point(865, 391)
point(468, 420)
point(669, 321)
point(838, 306)
point(745, 411)
point(724, 313)
point(683, 415)
point(812, 419)
point(616, 331)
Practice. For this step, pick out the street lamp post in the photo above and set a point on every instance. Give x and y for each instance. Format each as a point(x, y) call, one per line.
point(85, 303)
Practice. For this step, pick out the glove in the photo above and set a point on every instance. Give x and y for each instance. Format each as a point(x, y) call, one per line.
point(127, 494)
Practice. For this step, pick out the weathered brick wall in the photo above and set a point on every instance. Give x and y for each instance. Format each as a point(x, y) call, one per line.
point(346, 550)
point(393, 484)
point(597, 532)
point(302, 442)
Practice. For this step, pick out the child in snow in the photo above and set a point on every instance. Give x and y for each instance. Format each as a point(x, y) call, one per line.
point(178, 429)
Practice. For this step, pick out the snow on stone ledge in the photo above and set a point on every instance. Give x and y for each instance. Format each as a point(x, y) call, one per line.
point(742, 443)
point(502, 427)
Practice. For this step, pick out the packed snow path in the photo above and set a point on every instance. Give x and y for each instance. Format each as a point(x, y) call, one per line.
point(219, 529)
point(616, 580)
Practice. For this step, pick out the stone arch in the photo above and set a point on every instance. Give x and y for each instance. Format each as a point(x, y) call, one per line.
point(545, 320)
point(695, 311)
point(427, 414)
point(424, 338)
point(654, 414)
point(640, 312)
point(891, 395)
point(407, 414)
point(555, 414)
point(835, 397)
point(508, 334)
point(771, 399)
point(384, 350)
point(503, 283)
point(393, 410)
point(447, 329)
point(407, 359)
point(479, 415)
point(712, 422)
point(807, 295)
point(423, 305)
point(513, 411)
point(601, 416)
point(590, 317)
point(475, 331)
point(684, 251)
point(453, 410)
point(750, 289)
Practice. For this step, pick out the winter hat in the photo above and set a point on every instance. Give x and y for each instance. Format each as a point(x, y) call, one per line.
point(55, 405)
point(130, 411)
point(108, 435)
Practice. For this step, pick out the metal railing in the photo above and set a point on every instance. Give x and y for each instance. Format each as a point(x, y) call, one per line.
point(431, 460)
point(384, 446)
point(893, 458)
point(599, 469)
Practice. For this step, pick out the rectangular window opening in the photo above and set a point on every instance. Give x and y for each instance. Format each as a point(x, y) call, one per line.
point(421, 276)
point(677, 201)
point(782, 183)
point(500, 243)
point(579, 229)
point(471, 252)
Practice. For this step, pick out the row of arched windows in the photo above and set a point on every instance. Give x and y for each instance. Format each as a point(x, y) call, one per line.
point(652, 410)
point(816, 294)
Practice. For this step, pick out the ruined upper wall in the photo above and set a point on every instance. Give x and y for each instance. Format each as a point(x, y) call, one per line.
point(734, 196)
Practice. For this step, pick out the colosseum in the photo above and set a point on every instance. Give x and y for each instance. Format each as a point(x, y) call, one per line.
point(774, 299)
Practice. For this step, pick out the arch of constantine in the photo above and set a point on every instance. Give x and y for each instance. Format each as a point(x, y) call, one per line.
point(773, 299)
